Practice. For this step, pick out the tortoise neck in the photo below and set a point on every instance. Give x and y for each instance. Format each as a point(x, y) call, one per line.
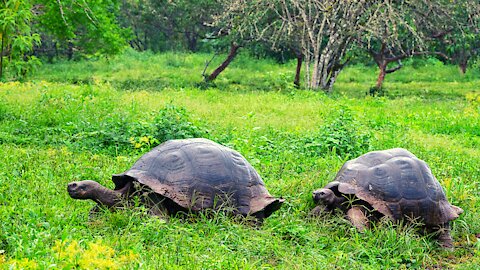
point(107, 197)
point(339, 200)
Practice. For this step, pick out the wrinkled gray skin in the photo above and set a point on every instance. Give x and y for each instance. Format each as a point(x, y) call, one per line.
point(91, 190)
point(111, 199)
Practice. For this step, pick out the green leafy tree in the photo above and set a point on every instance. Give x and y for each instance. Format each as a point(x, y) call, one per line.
point(401, 29)
point(17, 39)
point(320, 32)
point(462, 43)
point(86, 27)
point(165, 24)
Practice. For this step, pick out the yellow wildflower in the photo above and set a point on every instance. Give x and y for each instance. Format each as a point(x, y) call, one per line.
point(126, 258)
point(96, 256)
point(67, 251)
point(24, 263)
point(145, 139)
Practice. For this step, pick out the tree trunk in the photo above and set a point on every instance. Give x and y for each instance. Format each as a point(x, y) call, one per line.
point(382, 59)
point(70, 51)
point(233, 52)
point(463, 65)
point(381, 75)
point(329, 63)
point(1, 55)
point(191, 41)
point(296, 82)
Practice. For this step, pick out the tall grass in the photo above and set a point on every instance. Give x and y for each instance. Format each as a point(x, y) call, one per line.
point(88, 120)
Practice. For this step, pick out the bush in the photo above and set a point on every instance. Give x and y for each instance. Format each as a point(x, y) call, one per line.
point(376, 91)
point(342, 136)
point(170, 123)
point(113, 133)
point(118, 134)
point(173, 122)
point(111, 136)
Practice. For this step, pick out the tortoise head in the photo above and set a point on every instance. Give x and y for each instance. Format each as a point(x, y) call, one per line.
point(92, 190)
point(84, 189)
point(324, 196)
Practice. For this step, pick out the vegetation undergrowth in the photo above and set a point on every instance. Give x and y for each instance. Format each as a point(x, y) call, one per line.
point(88, 120)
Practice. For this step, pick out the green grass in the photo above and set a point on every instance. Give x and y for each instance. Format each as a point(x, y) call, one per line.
point(76, 121)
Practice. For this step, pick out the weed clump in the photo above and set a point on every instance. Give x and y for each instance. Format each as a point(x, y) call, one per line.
point(376, 91)
point(473, 98)
point(343, 136)
point(170, 123)
point(173, 122)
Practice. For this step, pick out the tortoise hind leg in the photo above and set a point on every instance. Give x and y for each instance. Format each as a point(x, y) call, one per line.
point(159, 210)
point(356, 215)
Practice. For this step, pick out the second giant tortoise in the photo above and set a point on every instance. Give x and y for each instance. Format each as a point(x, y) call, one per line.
point(392, 183)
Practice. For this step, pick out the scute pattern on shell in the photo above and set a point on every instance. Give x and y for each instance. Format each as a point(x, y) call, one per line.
point(397, 184)
point(198, 174)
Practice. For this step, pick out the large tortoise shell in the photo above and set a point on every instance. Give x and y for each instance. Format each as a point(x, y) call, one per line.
point(197, 174)
point(397, 184)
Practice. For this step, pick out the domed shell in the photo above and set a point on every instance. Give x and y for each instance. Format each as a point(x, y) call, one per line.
point(397, 184)
point(198, 174)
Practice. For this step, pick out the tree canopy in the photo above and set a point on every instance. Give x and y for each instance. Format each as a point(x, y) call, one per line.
point(323, 36)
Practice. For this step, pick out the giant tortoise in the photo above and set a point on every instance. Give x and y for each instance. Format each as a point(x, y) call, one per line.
point(391, 183)
point(187, 175)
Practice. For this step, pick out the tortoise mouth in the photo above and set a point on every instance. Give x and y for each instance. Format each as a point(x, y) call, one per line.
point(323, 196)
point(317, 196)
point(74, 192)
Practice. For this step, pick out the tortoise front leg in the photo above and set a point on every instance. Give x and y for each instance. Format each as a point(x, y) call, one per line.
point(156, 205)
point(93, 213)
point(356, 215)
point(258, 218)
point(319, 211)
point(444, 238)
point(96, 211)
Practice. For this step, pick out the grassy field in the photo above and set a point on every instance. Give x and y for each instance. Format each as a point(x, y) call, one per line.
point(88, 120)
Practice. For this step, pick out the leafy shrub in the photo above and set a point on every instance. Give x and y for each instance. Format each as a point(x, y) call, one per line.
point(119, 134)
point(342, 136)
point(112, 135)
point(376, 91)
point(173, 122)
